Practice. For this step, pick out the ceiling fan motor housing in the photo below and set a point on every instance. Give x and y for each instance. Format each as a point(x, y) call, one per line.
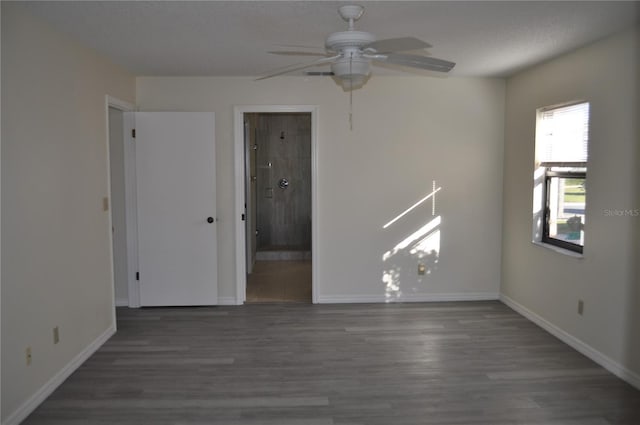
point(352, 68)
point(345, 39)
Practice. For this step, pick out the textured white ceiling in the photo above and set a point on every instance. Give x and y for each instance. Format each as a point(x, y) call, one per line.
point(232, 38)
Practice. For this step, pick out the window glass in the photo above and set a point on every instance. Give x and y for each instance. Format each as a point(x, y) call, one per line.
point(566, 205)
point(562, 141)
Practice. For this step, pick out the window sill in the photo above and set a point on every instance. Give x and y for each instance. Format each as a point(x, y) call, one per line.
point(559, 250)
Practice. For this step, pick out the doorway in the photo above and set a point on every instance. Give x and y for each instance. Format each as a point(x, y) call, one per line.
point(118, 217)
point(129, 177)
point(123, 229)
point(278, 206)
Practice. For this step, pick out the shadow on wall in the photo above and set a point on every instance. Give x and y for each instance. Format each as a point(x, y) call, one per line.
point(418, 252)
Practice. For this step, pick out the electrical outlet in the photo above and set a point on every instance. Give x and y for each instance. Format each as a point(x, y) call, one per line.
point(421, 269)
point(580, 307)
point(27, 354)
point(56, 335)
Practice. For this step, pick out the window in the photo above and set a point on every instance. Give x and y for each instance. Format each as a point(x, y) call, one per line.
point(562, 139)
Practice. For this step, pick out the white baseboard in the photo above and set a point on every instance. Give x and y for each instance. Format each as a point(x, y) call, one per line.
point(419, 298)
point(45, 391)
point(122, 302)
point(602, 359)
point(227, 301)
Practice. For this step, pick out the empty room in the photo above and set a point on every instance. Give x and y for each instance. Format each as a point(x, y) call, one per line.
point(320, 212)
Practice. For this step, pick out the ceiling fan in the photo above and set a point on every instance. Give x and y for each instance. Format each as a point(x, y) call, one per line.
point(351, 53)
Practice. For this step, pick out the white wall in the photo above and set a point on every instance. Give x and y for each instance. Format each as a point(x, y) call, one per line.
point(56, 267)
point(408, 131)
point(547, 283)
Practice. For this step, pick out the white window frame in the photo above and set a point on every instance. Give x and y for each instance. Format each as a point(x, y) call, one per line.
point(546, 169)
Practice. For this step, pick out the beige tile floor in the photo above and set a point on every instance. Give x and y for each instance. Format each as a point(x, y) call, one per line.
point(280, 281)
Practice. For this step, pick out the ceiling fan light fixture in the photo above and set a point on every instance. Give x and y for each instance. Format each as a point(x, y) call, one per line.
point(355, 82)
point(352, 72)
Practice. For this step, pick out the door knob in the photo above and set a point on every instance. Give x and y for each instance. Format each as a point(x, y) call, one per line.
point(210, 220)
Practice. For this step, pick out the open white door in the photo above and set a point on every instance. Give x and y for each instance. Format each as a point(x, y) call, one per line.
point(175, 173)
point(249, 197)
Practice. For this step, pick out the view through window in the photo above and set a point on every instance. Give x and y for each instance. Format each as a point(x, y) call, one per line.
point(562, 139)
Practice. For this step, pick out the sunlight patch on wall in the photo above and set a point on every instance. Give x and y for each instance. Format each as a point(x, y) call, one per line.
point(420, 250)
point(429, 244)
point(420, 233)
point(417, 204)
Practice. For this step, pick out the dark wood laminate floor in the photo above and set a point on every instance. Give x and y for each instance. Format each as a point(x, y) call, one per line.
point(297, 364)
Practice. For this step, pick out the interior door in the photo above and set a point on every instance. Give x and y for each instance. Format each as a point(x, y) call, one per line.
point(175, 175)
point(249, 192)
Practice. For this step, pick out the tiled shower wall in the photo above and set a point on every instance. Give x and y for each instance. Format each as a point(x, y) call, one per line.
point(283, 152)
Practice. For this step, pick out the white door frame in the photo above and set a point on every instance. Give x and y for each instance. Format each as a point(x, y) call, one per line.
point(238, 121)
point(131, 206)
point(130, 199)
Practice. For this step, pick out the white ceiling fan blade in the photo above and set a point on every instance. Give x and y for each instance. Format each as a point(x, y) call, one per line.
point(298, 66)
point(300, 46)
point(295, 53)
point(415, 61)
point(400, 44)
